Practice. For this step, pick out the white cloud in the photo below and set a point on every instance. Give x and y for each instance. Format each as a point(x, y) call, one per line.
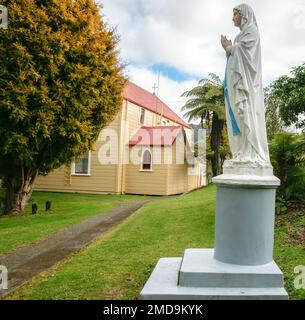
point(186, 36)
point(170, 91)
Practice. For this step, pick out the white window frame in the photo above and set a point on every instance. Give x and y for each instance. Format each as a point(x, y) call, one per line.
point(143, 117)
point(82, 174)
point(151, 163)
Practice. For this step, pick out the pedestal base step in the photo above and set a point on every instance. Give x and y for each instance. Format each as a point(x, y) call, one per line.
point(200, 269)
point(163, 285)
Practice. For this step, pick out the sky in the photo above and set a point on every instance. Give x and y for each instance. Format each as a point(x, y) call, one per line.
point(180, 40)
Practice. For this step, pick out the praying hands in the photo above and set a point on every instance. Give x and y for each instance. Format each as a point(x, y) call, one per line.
point(225, 42)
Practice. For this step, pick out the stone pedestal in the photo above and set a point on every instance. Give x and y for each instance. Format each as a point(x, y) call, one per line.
point(241, 266)
point(244, 229)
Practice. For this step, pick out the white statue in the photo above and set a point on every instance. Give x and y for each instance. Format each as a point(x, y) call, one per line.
point(244, 96)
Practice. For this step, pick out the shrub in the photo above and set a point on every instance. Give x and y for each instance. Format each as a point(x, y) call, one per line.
point(287, 151)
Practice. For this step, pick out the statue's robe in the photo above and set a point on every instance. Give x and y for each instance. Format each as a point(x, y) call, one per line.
point(244, 98)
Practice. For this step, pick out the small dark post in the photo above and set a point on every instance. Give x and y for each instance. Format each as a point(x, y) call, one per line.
point(34, 208)
point(48, 205)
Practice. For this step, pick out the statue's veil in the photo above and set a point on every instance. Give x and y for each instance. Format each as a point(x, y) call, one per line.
point(247, 14)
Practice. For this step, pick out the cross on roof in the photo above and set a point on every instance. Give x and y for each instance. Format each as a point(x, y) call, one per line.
point(155, 87)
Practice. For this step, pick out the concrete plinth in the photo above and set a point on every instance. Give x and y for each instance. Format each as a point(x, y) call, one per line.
point(163, 285)
point(200, 269)
point(241, 266)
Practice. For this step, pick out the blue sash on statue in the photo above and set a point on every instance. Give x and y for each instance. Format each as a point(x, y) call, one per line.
point(235, 127)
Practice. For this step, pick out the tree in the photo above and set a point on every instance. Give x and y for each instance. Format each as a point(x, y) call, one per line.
point(274, 123)
point(61, 83)
point(287, 153)
point(206, 102)
point(289, 92)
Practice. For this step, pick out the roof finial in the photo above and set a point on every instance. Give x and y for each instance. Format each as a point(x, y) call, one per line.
point(155, 87)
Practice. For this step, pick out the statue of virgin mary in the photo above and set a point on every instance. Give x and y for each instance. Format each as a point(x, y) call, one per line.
point(244, 96)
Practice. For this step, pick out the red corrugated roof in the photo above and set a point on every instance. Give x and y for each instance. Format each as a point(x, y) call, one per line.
point(155, 136)
point(149, 101)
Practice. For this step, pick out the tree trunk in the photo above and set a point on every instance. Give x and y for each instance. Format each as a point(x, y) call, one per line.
point(216, 132)
point(19, 188)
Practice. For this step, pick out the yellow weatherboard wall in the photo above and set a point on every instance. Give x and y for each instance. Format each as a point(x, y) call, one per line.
point(164, 179)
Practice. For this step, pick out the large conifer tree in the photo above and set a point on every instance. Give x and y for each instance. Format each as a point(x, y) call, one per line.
point(60, 84)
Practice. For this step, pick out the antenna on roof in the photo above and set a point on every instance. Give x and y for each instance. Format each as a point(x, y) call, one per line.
point(156, 93)
point(162, 103)
point(158, 83)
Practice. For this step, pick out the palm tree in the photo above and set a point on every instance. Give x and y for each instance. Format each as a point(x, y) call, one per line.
point(206, 102)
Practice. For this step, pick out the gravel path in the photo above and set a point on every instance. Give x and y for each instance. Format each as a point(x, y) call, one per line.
point(26, 262)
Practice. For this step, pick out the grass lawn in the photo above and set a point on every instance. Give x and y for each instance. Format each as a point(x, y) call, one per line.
point(67, 208)
point(118, 264)
point(289, 250)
